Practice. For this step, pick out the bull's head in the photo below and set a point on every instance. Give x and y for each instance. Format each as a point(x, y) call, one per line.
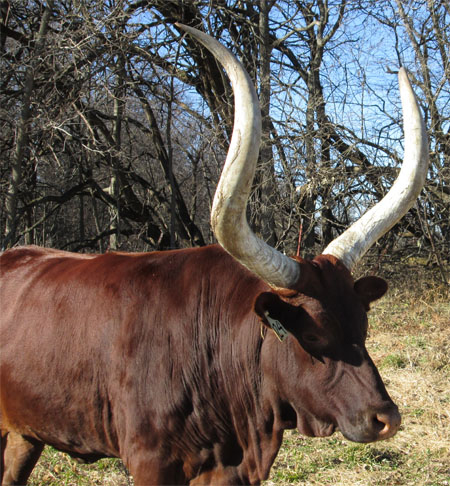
point(317, 302)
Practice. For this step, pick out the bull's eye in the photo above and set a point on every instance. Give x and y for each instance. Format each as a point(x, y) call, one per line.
point(310, 338)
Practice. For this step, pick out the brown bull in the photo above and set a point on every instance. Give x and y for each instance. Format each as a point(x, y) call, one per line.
point(159, 358)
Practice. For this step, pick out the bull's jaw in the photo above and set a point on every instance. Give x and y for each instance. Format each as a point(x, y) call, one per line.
point(314, 427)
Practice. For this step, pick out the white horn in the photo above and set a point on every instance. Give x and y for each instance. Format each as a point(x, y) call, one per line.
point(228, 218)
point(356, 240)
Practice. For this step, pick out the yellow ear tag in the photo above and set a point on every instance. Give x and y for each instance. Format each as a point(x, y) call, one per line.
point(277, 327)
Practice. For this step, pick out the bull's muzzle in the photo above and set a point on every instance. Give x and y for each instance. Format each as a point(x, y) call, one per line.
point(374, 425)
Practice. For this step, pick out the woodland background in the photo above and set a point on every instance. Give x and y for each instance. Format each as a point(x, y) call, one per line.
point(114, 127)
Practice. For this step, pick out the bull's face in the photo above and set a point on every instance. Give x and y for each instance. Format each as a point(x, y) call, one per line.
point(324, 375)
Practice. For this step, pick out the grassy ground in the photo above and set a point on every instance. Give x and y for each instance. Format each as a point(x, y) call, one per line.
point(410, 343)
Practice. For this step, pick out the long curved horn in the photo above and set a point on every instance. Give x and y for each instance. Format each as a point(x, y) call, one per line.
point(351, 245)
point(228, 218)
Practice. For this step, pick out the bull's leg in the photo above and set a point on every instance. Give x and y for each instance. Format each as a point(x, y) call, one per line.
point(19, 456)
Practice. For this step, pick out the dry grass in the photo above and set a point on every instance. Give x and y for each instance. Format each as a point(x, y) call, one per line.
point(410, 342)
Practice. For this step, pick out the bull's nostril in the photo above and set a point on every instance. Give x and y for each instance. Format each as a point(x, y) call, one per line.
point(378, 423)
point(387, 424)
point(382, 423)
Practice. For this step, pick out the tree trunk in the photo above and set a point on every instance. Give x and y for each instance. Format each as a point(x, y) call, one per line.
point(12, 196)
point(265, 220)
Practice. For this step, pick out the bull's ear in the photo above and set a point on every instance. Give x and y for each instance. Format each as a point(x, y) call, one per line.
point(274, 312)
point(269, 302)
point(370, 289)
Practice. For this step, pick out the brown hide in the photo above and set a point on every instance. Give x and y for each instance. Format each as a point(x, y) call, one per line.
point(158, 359)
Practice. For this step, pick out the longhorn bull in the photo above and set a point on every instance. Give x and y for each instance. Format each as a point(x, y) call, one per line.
point(157, 358)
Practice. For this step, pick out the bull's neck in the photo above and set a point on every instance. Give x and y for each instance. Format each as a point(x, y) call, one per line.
point(254, 414)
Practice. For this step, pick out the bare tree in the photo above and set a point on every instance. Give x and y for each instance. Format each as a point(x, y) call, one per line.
point(130, 120)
